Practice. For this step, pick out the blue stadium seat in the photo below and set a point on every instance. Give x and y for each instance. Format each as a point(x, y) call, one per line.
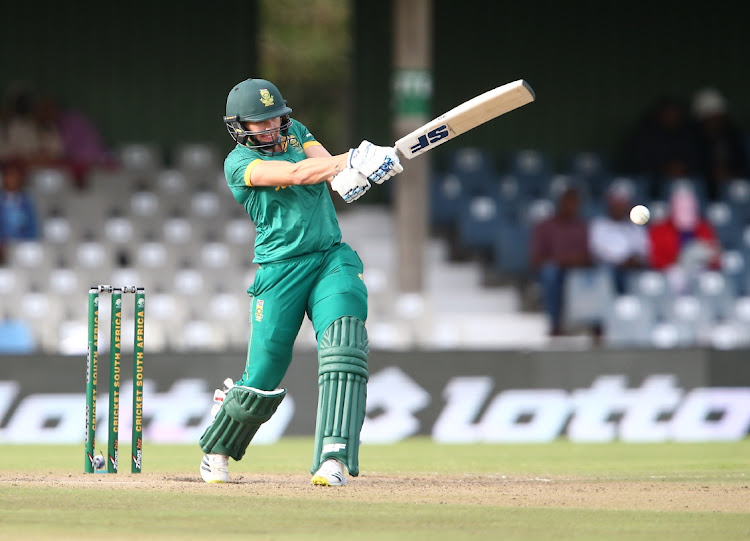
point(736, 194)
point(475, 171)
point(510, 198)
point(637, 187)
point(728, 228)
point(446, 198)
point(734, 266)
point(533, 170)
point(590, 168)
point(479, 220)
point(511, 249)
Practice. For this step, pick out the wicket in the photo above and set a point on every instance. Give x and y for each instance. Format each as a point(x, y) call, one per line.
point(114, 376)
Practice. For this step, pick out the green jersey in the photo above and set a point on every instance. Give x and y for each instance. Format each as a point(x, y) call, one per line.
point(291, 220)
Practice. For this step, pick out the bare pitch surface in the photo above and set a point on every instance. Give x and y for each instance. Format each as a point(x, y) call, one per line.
point(412, 490)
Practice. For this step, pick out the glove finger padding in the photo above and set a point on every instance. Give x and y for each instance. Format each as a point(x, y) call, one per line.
point(350, 184)
point(376, 163)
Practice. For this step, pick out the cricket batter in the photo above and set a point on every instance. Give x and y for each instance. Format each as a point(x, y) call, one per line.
point(279, 173)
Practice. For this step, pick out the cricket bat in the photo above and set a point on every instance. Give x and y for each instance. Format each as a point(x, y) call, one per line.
point(465, 117)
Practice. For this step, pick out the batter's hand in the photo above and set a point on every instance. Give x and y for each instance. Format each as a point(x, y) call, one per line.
point(350, 184)
point(376, 163)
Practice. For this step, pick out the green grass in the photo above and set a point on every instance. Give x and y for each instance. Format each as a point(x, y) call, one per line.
point(66, 510)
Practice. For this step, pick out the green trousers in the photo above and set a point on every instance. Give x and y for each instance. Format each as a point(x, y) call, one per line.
point(324, 286)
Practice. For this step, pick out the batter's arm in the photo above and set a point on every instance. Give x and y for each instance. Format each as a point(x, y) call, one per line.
point(319, 167)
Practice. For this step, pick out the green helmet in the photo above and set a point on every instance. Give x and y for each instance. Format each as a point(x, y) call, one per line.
point(255, 100)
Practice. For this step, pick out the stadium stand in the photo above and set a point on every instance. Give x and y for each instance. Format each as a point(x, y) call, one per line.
point(176, 228)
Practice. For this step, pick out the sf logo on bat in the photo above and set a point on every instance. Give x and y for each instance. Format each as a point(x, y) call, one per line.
point(432, 137)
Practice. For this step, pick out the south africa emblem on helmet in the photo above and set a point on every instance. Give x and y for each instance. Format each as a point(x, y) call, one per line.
point(265, 97)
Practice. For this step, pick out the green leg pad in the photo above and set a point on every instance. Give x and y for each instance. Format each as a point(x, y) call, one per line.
point(239, 418)
point(342, 393)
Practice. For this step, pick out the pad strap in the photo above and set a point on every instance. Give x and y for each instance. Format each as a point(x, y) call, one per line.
point(342, 393)
point(239, 418)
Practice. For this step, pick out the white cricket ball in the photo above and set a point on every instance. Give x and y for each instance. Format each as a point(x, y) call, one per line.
point(99, 462)
point(639, 215)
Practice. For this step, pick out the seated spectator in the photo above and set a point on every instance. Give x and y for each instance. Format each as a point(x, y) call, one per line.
point(22, 135)
point(615, 241)
point(18, 218)
point(684, 243)
point(558, 244)
point(664, 145)
point(83, 146)
point(722, 143)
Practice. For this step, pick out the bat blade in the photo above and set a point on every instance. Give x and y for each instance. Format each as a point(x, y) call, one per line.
point(465, 117)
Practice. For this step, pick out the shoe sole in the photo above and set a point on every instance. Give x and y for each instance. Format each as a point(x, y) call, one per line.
point(319, 480)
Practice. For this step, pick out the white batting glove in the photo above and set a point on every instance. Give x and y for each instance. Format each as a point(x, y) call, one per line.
point(350, 184)
point(376, 163)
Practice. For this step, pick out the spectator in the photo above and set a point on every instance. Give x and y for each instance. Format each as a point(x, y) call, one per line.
point(684, 243)
point(615, 241)
point(558, 244)
point(722, 143)
point(83, 146)
point(18, 218)
point(664, 145)
point(22, 135)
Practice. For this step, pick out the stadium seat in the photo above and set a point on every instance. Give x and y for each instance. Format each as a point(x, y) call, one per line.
point(537, 210)
point(475, 170)
point(652, 287)
point(140, 158)
point(691, 320)
point(630, 322)
point(510, 198)
point(715, 293)
point(589, 294)
point(511, 249)
point(239, 232)
point(446, 197)
point(589, 168)
point(736, 193)
point(478, 223)
point(196, 161)
point(172, 185)
point(232, 311)
point(32, 259)
point(734, 267)
point(42, 312)
point(739, 314)
point(127, 276)
point(58, 230)
point(145, 210)
point(729, 335)
point(67, 286)
point(728, 229)
point(469, 160)
point(532, 169)
point(50, 188)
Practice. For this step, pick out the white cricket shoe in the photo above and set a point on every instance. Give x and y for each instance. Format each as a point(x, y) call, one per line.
point(330, 474)
point(215, 468)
